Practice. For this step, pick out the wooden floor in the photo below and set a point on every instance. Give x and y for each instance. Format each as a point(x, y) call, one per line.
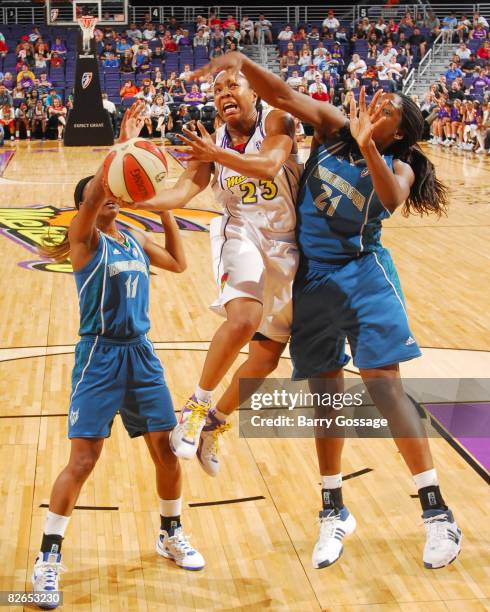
point(258, 552)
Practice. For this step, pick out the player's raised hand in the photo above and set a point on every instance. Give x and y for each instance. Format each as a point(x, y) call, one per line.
point(362, 124)
point(229, 61)
point(199, 148)
point(132, 122)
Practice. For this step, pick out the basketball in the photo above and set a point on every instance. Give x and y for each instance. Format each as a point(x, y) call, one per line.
point(135, 170)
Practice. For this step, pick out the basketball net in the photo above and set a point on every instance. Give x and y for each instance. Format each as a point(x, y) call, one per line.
point(87, 24)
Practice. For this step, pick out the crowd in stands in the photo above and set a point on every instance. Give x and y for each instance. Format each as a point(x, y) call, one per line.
point(457, 107)
point(328, 60)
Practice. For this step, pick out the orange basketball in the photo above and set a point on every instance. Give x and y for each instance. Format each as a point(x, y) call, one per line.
point(135, 170)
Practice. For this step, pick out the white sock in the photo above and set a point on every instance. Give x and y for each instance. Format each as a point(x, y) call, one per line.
point(426, 479)
point(202, 395)
point(332, 482)
point(55, 524)
point(171, 507)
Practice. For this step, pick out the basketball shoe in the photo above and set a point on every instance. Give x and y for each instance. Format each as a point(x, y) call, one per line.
point(443, 538)
point(334, 526)
point(45, 576)
point(173, 544)
point(207, 453)
point(184, 438)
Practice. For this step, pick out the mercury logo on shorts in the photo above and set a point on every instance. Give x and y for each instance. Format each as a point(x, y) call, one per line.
point(224, 278)
point(86, 79)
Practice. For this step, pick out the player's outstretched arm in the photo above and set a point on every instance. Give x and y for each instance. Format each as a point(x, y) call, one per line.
point(170, 257)
point(324, 117)
point(265, 164)
point(191, 182)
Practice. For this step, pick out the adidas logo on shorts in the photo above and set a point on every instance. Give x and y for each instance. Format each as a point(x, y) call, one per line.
point(409, 341)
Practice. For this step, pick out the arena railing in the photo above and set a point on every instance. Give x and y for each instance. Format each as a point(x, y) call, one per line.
point(436, 49)
point(294, 14)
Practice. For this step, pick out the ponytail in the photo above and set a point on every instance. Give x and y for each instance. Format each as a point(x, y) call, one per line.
point(427, 194)
point(55, 248)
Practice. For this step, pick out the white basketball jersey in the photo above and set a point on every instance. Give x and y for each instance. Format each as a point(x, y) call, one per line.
point(266, 204)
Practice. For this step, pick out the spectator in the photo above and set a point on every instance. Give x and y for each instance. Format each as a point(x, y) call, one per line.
point(39, 119)
point(289, 59)
point(149, 32)
point(56, 115)
point(247, 30)
point(128, 90)
point(300, 35)
point(22, 121)
point(122, 45)
point(181, 119)
point(3, 46)
point(160, 115)
point(230, 21)
point(182, 38)
point(311, 73)
point(8, 80)
point(111, 61)
point(433, 23)
point(171, 80)
point(18, 92)
point(449, 24)
point(25, 78)
point(178, 91)
point(56, 60)
point(483, 52)
point(232, 37)
point(381, 28)
point(313, 34)
point(51, 97)
point(199, 39)
point(7, 121)
point(169, 44)
point(206, 87)
point(351, 82)
point(263, 29)
point(110, 107)
point(463, 52)
point(5, 97)
point(286, 34)
point(357, 65)
point(195, 97)
point(468, 67)
point(213, 20)
point(305, 60)
point(295, 80)
point(463, 28)
point(455, 92)
point(479, 33)
point(373, 87)
point(141, 61)
point(217, 39)
point(320, 60)
point(330, 23)
point(318, 90)
point(145, 94)
point(59, 47)
point(418, 39)
point(185, 75)
point(44, 85)
point(479, 19)
point(126, 62)
point(134, 33)
point(453, 72)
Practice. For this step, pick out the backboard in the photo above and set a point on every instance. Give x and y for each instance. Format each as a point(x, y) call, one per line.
point(66, 12)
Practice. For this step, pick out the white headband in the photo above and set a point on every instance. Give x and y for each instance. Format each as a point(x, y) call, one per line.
point(223, 72)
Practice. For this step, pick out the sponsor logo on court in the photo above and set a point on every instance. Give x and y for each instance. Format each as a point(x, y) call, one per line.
point(28, 227)
point(86, 79)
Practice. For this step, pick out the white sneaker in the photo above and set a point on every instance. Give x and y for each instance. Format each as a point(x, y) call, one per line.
point(443, 538)
point(174, 545)
point(333, 528)
point(45, 576)
point(207, 452)
point(184, 438)
point(447, 143)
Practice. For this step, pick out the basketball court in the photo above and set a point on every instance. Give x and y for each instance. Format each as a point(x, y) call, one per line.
point(255, 524)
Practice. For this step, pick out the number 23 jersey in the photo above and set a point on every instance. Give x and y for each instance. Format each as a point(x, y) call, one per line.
point(266, 204)
point(113, 290)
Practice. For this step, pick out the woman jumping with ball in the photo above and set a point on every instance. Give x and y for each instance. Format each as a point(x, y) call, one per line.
point(359, 172)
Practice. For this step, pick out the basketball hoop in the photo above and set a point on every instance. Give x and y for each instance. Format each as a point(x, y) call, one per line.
point(87, 24)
